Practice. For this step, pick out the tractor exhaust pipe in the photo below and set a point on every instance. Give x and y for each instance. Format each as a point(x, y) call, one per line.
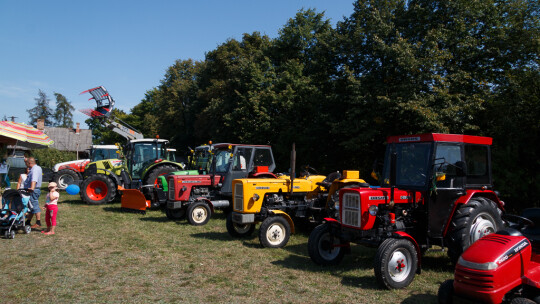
point(220, 203)
point(293, 165)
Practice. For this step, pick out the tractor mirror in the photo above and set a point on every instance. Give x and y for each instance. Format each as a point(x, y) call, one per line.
point(374, 175)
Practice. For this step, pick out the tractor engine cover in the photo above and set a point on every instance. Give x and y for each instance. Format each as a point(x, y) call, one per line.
point(491, 267)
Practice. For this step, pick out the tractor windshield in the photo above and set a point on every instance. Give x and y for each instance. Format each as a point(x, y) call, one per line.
point(101, 154)
point(412, 164)
point(143, 154)
point(201, 160)
point(223, 158)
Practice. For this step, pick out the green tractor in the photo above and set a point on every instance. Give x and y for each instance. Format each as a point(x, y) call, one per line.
point(137, 170)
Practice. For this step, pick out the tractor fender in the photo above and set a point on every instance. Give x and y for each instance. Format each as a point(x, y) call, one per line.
point(405, 235)
point(331, 220)
point(207, 201)
point(263, 175)
point(115, 177)
point(286, 216)
point(464, 199)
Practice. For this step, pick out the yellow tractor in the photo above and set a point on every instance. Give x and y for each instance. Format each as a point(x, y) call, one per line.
point(275, 202)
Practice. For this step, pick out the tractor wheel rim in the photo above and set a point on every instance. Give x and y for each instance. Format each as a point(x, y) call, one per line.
point(241, 228)
point(199, 214)
point(97, 190)
point(275, 234)
point(399, 265)
point(482, 225)
point(65, 180)
point(326, 248)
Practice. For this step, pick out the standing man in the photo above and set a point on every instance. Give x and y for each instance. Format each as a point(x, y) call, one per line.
point(33, 183)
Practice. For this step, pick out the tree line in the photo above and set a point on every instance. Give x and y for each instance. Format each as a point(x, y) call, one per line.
point(61, 116)
point(391, 67)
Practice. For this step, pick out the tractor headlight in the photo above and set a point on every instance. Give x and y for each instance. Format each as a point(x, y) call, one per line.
point(373, 209)
point(477, 266)
point(255, 197)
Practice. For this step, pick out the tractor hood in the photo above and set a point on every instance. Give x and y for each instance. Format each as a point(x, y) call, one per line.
point(492, 251)
point(81, 163)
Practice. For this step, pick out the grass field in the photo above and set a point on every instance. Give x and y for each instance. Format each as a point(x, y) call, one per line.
point(100, 254)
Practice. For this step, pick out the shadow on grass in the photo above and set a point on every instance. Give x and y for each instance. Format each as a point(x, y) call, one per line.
point(215, 236)
point(156, 219)
point(298, 262)
point(73, 202)
point(420, 298)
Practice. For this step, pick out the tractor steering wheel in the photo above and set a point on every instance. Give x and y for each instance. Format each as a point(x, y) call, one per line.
point(520, 221)
point(308, 171)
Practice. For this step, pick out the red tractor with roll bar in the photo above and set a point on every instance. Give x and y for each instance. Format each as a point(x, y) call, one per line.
point(436, 189)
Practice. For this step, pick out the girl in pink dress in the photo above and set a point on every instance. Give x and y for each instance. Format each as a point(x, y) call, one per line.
point(51, 208)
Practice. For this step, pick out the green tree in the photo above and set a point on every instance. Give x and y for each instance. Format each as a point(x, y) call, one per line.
point(64, 112)
point(42, 110)
point(102, 135)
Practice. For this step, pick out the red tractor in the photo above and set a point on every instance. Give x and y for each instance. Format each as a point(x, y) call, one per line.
point(199, 195)
point(436, 190)
point(501, 267)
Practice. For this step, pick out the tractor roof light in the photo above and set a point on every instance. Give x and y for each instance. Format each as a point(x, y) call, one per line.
point(373, 209)
point(477, 266)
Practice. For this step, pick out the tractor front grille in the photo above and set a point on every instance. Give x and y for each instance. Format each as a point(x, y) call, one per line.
point(239, 197)
point(171, 189)
point(351, 209)
point(481, 280)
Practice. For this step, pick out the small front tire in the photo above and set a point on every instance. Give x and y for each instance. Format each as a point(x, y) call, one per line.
point(27, 229)
point(274, 232)
point(396, 262)
point(175, 214)
point(321, 246)
point(198, 214)
point(239, 230)
point(446, 292)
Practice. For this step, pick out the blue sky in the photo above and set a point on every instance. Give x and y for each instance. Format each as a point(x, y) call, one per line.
point(126, 46)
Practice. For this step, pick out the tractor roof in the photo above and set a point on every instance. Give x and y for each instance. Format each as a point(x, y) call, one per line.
point(438, 137)
point(148, 140)
point(112, 147)
point(223, 145)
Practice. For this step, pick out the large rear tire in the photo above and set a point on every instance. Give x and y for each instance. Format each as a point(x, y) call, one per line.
point(479, 217)
point(321, 246)
point(98, 189)
point(396, 262)
point(152, 176)
point(65, 177)
point(239, 230)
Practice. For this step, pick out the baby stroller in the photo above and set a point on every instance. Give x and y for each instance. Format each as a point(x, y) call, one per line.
point(12, 214)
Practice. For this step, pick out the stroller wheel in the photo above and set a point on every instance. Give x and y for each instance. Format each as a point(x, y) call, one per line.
point(27, 229)
point(10, 234)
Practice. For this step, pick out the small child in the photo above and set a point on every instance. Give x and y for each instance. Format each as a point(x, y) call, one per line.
point(51, 208)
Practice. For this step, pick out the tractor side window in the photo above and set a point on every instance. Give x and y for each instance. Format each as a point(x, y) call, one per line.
point(262, 157)
point(242, 158)
point(477, 158)
point(448, 162)
point(222, 161)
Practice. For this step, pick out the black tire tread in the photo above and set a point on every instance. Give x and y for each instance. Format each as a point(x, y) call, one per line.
point(110, 185)
point(57, 175)
point(190, 212)
point(313, 247)
point(264, 227)
point(381, 260)
point(233, 232)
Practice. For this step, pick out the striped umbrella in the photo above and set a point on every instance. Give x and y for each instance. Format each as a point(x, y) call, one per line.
point(23, 132)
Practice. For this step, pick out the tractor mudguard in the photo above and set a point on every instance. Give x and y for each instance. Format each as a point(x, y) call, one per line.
point(464, 199)
point(133, 199)
point(404, 235)
point(286, 216)
point(207, 201)
point(330, 220)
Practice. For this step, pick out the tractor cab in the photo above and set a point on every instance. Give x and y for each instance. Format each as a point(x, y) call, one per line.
point(441, 167)
point(140, 153)
point(200, 159)
point(237, 161)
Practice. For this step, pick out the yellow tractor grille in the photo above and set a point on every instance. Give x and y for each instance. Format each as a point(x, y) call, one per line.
point(238, 197)
point(351, 209)
point(171, 189)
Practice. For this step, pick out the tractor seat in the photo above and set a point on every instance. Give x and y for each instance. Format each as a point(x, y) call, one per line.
point(327, 182)
point(532, 233)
